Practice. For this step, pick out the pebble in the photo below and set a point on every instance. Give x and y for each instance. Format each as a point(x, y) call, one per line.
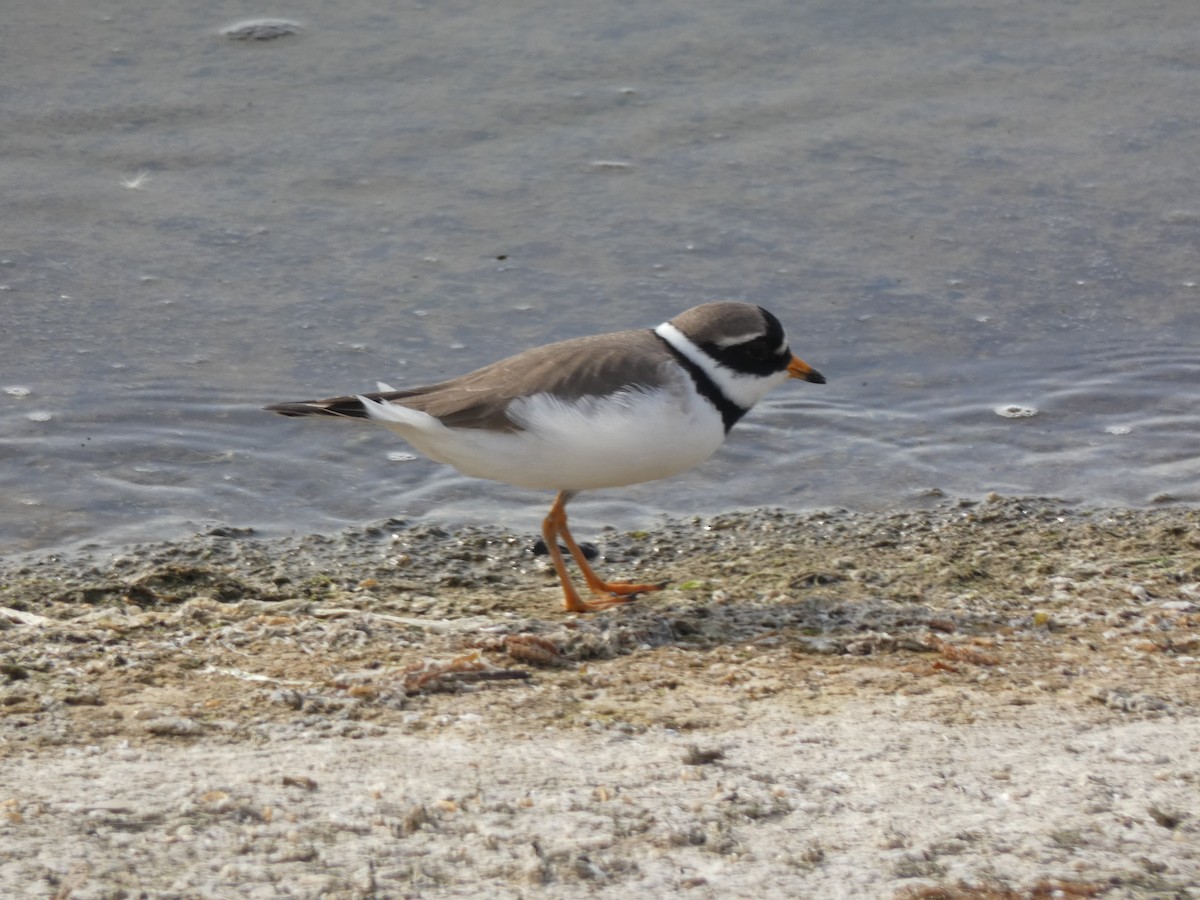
point(1016, 411)
point(261, 29)
point(175, 726)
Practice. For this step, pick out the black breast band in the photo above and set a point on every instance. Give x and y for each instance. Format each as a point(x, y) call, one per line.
point(730, 411)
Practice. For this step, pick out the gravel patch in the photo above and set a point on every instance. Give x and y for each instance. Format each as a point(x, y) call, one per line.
point(983, 699)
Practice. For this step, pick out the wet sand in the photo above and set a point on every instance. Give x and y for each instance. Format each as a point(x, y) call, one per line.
point(996, 696)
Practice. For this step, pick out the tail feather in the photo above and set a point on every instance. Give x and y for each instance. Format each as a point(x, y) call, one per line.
point(346, 407)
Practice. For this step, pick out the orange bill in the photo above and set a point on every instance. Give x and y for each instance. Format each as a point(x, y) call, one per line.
point(798, 368)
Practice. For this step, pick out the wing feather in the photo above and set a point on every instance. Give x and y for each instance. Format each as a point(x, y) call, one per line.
point(597, 365)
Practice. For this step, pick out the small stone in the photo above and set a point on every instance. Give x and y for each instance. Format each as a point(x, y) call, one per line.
point(1015, 411)
point(175, 726)
point(261, 29)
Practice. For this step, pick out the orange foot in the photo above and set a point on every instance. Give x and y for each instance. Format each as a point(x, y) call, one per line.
point(622, 588)
point(607, 593)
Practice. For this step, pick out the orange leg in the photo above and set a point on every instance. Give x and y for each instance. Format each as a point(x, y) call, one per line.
point(607, 593)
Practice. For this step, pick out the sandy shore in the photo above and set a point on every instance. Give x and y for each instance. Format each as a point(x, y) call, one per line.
point(995, 699)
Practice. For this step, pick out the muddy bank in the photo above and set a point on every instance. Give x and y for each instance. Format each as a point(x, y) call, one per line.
point(985, 696)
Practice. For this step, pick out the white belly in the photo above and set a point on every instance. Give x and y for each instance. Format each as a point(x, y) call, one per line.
point(596, 442)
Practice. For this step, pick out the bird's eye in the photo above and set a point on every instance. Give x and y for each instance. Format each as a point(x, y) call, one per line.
point(757, 349)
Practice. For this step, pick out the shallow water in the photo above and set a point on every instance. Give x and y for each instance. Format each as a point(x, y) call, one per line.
point(953, 210)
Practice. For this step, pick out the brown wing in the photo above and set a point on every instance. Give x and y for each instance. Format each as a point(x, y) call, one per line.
point(588, 366)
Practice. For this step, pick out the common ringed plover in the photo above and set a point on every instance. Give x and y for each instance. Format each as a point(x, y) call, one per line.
point(591, 412)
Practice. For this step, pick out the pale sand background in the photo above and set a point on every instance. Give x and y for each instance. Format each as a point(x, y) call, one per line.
point(984, 697)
